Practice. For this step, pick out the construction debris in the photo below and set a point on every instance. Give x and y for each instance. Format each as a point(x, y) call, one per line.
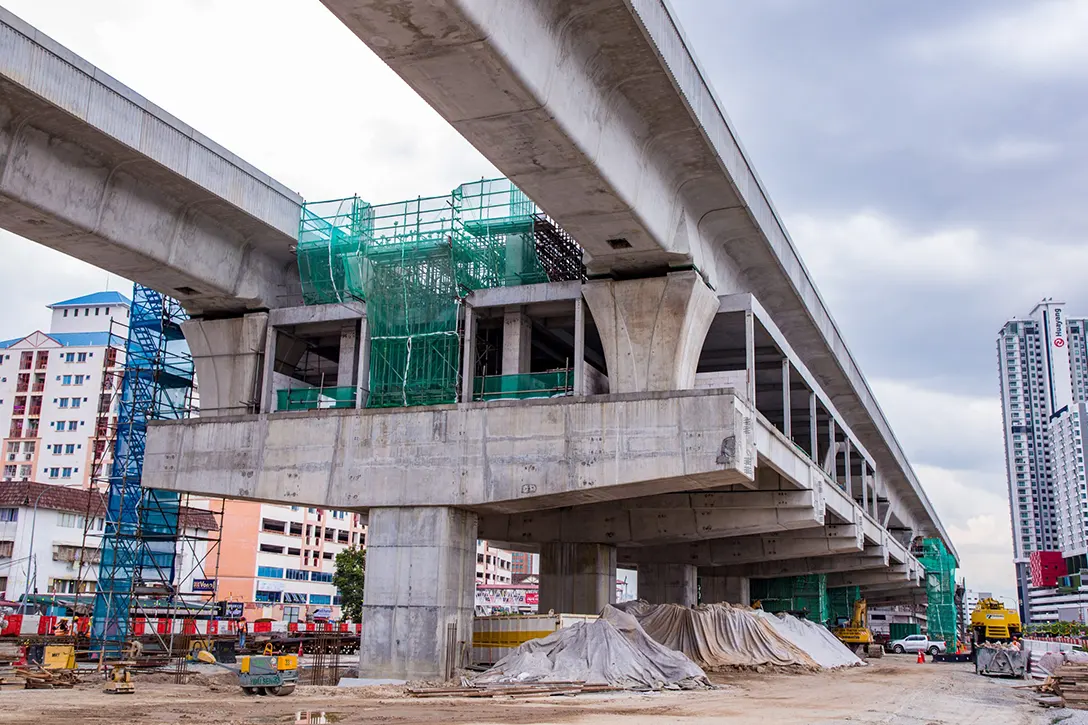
point(494, 689)
point(40, 679)
point(612, 651)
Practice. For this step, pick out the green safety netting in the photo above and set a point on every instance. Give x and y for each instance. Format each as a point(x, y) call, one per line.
point(523, 386)
point(412, 262)
point(841, 603)
point(331, 233)
point(940, 568)
point(794, 594)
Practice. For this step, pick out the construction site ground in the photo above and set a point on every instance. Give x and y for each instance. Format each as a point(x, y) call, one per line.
point(894, 691)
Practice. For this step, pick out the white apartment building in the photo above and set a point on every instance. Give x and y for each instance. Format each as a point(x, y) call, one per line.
point(47, 560)
point(56, 392)
point(493, 566)
point(1043, 372)
point(1069, 430)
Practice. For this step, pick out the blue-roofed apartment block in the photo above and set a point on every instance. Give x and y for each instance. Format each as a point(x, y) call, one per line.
point(57, 399)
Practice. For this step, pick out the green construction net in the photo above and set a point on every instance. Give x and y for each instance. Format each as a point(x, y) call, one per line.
point(526, 385)
point(330, 234)
point(315, 398)
point(413, 262)
point(806, 594)
point(841, 603)
point(940, 592)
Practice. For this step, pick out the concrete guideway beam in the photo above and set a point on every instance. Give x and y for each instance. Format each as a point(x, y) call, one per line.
point(505, 456)
point(599, 113)
point(892, 576)
point(872, 558)
point(419, 594)
point(657, 519)
point(738, 550)
point(94, 170)
point(652, 329)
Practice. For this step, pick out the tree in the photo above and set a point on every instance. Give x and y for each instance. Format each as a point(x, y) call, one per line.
point(349, 577)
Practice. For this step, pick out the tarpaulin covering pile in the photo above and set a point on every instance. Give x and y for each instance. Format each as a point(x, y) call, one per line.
point(611, 650)
point(721, 636)
point(813, 639)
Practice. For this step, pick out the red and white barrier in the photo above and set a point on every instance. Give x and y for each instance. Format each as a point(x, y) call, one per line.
point(34, 625)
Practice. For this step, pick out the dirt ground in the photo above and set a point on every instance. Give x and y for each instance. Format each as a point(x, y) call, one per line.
point(891, 691)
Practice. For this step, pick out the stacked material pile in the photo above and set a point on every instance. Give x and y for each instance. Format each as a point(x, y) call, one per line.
point(813, 639)
point(721, 635)
point(613, 650)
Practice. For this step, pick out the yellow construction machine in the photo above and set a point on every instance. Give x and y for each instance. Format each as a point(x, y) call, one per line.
point(992, 622)
point(856, 634)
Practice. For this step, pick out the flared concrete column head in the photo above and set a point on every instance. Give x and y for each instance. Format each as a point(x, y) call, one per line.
point(577, 578)
point(652, 329)
point(227, 356)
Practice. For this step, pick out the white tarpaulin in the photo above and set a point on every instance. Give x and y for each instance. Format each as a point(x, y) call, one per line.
point(813, 639)
point(613, 650)
point(721, 635)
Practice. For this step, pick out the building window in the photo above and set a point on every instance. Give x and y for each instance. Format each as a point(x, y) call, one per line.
point(69, 357)
point(63, 402)
point(70, 448)
point(298, 575)
point(66, 313)
point(75, 402)
point(81, 357)
point(66, 380)
point(320, 599)
point(271, 597)
point(54, 472)
point(271, 549)
point(66, 473)
point(73, 425)
point(9, 514)
point(270, 572)
point(79, 379)
point(320, 576)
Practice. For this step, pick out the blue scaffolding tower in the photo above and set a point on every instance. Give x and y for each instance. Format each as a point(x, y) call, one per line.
point(141, 530)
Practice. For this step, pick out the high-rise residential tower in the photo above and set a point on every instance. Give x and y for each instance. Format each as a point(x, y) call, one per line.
point(1043, 369)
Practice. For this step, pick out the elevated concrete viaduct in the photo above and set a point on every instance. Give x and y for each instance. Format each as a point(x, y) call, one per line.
point(717, 429)
point(95, 170)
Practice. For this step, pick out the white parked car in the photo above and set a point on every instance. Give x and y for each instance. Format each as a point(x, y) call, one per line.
point(917, 643)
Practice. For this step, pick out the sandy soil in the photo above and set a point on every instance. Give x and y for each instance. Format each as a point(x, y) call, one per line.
point(892, 691)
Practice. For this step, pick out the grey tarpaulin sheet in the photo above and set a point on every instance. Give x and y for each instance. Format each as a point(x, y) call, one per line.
point(612, 650)
point(719, 635)
point(813, 639)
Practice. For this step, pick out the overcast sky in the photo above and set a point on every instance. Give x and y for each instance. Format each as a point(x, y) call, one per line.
point(928, 158)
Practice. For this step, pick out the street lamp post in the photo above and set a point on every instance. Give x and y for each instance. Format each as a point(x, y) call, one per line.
point(30, 556)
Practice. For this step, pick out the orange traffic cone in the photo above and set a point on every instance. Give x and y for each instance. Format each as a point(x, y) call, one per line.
point(921, 657)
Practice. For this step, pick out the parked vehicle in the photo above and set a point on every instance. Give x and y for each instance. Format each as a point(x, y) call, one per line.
point(917, 643)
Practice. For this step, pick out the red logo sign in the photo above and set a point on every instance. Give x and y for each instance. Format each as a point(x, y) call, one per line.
point(532, 597)
point(1059, 342)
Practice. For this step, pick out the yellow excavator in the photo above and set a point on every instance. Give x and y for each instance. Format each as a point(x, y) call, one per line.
point(856, 634)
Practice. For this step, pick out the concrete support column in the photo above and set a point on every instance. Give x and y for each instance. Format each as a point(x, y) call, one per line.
point(468, 360)
point(652, 329)
point(864, 486)
point(715, 589)
point(577, 578)
point(847, 455)
point(517, 340)
point(579, 347)
point(268, 393)
point(349, 354)
point(832, 464)
point(787, 423)
point(668, 584)
point(813, 428)
point(750, 355)
point(420, 592)
point(362, 372)
point(228, 356)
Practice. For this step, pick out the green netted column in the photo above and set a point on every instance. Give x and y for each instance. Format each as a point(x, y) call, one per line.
point(940, 592)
